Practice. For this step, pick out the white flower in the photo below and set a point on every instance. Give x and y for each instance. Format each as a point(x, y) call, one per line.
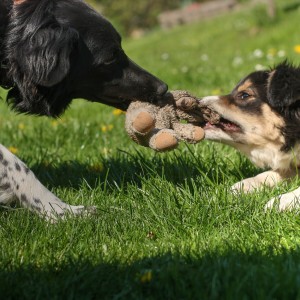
point(165, 56)
point(260, 67)
point(204, 57)
point(184, 69)
point(281, 53)
point(258, 53)
point(237, 61)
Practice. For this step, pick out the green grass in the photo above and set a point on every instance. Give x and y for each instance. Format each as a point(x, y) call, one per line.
point(167, 226)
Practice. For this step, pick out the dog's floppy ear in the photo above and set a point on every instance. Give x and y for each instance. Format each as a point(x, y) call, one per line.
point(284, 85)
point(39, 47)
point(46, 57)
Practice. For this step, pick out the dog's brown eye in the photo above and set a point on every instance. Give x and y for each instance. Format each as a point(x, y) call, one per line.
point(244, 95)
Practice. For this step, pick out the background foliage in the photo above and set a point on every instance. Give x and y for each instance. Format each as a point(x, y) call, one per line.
point(130, 14)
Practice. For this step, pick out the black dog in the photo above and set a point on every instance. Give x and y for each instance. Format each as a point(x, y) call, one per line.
point(52, 51)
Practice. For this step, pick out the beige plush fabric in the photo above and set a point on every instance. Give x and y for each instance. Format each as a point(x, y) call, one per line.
point(162, 127)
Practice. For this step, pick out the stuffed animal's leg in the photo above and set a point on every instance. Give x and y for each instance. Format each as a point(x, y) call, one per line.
point(188, 132)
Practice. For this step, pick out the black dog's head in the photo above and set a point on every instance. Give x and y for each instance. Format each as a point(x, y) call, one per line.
point(57, 50)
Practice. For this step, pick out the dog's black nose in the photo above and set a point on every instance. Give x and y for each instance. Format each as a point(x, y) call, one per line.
point(162, 89)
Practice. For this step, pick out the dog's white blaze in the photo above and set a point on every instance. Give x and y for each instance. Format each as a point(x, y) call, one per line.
point(267, 156)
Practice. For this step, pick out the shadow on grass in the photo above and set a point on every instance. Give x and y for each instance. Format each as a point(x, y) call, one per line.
point(126, 169)
point(232, 275)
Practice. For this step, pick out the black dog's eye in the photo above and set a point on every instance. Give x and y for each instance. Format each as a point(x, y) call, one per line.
point(112, 57)
point(110, 61)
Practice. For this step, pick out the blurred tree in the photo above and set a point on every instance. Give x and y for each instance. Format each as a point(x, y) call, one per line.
point(140, 14)
point(129, 15)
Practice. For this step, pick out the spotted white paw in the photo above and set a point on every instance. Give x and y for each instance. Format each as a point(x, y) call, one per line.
point(60, 213)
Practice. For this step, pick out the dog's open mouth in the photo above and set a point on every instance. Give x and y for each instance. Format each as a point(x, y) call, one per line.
point(224, 125)
point(215, 121)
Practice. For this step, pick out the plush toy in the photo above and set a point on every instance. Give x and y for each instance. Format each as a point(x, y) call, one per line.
point(162, 126)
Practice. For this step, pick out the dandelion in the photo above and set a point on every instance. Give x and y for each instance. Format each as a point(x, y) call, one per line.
point(118, 112)
point(216, 92)
point(13, 150)
point(105, 151)
point(46, 163)
point(297, 49)
point(21, 126)
point(54, 123)
point(97, 167)
point(106, 128)
point(271, 53)
point(146, 276)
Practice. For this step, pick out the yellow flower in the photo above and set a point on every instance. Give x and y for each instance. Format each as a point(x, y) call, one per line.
point(272, 51)
point(118, 112)
point(13, 150)
point(21, 126)
point(54, 123)
point(216, 92)
point(105, 128)
point(46, 163)
point(297, 49)
point(146, 276)
point(98, 167)
point(106, 151)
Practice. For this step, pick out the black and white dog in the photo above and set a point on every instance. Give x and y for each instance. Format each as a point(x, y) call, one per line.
point(52, 51)
point(261, 118)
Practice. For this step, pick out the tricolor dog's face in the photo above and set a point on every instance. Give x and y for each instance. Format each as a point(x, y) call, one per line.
point(261, 113)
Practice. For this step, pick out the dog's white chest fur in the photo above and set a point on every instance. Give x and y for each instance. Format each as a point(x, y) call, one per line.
point(271, 156)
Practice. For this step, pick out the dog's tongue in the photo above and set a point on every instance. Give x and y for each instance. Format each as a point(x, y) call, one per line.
point(229, 126)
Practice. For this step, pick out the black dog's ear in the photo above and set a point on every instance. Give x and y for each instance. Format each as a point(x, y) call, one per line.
point(284, 85)
point(39, 47)
point(46, 57)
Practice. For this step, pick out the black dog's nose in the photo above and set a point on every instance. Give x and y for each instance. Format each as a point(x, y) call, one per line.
point(162, 89)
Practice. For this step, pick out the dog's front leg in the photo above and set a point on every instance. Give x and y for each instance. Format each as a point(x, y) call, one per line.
point(17, 182)
point(286, 201)
point(268, 178)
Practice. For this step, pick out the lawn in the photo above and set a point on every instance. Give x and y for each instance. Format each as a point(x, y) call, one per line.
point(167, 226)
